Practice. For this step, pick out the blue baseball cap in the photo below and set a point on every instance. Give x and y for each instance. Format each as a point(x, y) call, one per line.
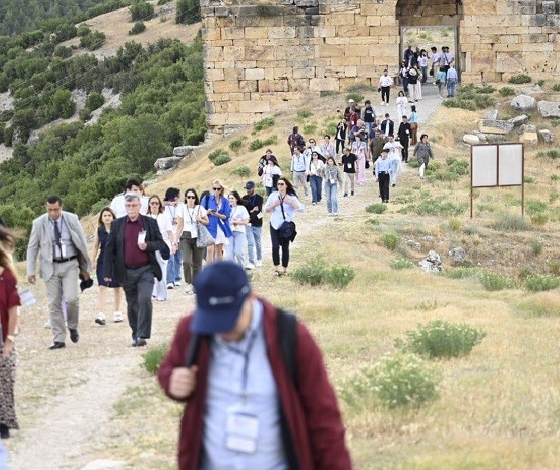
point(221, 288)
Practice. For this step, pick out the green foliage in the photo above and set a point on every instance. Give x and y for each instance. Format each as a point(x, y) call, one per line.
point(430, 205)
point(94, 100)
point(534, 207)
point(218, 153)
point(390, 240)
point(376, 208)
point(506, 91)
point(63, 52)
point(139, 27)
point(61, 105)
point(188, 12)
point(536, 247)
point(520, 79)
point(441, 339)
point(317, 272)
point(83, 30)
point(472, 97)
point(263, 124)
point(93, 40)
point(141, 11)
point(310, 128)
point(398, 380)
point(529, 179)
point(304, 114)
point(259, 144)
point(539, 218)
point(19, 217)
point(556, 87)
point(537, 283)
point(153, 357)
point(402, 263)
point(510, 223)
point(236, 143)
point(494, 282)
point(242, 171)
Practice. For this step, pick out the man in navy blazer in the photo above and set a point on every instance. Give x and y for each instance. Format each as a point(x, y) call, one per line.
point(130, 259)
point(387, 126)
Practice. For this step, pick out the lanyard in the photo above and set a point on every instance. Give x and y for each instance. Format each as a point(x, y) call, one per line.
point(246, 357)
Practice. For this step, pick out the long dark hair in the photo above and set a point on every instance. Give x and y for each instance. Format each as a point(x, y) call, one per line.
point(192, 190)
point(100, 218)
point(290, 191)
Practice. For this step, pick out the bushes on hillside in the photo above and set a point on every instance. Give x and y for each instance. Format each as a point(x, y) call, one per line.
point(141, 11)
point(188, 12)
point(93, 41)
point(139, 27)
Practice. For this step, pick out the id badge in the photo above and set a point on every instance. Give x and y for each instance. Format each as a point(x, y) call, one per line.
point(242, 432)
point(331, 181)
point(63, 250)
point(27, 298)
point(142, 237)
point(259, 215)
point(349, 165)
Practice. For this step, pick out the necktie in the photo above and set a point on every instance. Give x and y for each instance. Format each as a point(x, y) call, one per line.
point(58, 238)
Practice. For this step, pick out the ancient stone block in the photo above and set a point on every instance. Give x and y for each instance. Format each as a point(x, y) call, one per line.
point(304, 72)
point(546, 136)
point(233, 33)
point(253, 32)
point(322, 84)
point(548, 7)
point(471, 139)
point(254, 74)
point(523, 103)
point(214, 74)
point(273, 86)
point(282, 32)
point(519, 120)
point(497, 126)
point(529, 138)
point(254, 106)
point(548, 109)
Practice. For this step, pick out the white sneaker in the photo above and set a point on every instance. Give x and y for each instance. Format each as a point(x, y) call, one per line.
point(188, 289)
point(117, 317)
point(47, 325)
point(249, 266)
point(335, 214)
point(100, 320)
point(170, 285)
point(177, 283)
point(259, 263)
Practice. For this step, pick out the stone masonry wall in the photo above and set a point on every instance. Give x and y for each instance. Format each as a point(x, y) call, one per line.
point(264, 57)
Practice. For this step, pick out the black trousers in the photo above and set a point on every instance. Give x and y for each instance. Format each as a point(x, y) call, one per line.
point(404, 151)
point(138, 289)
point(277, 242)
point(385, 92)
point(384, 179)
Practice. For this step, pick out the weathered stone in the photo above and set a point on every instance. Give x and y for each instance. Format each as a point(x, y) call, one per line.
point(432, 264)
point(535, 89)
point(416, 246)
point(546, 136)
point(496, 126)
point(482, 137)
point(458, 254)
point(529, 138)
point(528, 128)
point(523, 103)
point(548, 7)
point(492, 114)
point(167, 163)
point(306, 3)
point(471, 139)
point(549, 109)
point(184, 151)
point(519, 120)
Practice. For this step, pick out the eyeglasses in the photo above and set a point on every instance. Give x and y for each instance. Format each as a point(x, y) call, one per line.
point(280, 184)
point(191, 197)
point(154, 203)
point(311, 141)
point(217, 189)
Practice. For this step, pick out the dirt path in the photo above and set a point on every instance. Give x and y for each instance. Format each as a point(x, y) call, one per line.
point(66, 398)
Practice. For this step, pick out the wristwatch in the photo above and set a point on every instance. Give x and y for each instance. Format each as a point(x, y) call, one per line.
point(12, 338)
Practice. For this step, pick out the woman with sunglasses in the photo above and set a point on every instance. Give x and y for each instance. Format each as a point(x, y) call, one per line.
point(282, 206)
point(218, 212)
point(238, 221)
point(155, 210)
point(193, 255)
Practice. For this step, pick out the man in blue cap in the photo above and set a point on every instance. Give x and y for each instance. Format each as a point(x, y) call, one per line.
point(254, 203)
point(244, 408)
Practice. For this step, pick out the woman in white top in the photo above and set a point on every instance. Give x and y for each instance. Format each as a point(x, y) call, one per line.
point(361, 150)
point(238, 220)
point(316, 167)
point(155, 210)
point(401, 105)
point(271, 173)
point(194, 214)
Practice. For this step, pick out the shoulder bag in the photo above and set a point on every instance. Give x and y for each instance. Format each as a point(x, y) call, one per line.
point(203, 237)
point(287, 230)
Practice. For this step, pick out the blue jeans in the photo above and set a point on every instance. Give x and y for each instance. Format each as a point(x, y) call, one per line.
point(174, 267)
point(330, 192)
point(316, 188)
point(236, 248)
point(254, 238)
point(394, 172)
point(451, 85)
point(424, 74)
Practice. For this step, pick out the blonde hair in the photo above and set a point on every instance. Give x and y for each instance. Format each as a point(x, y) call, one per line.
point(7, 244)
point(221, 183)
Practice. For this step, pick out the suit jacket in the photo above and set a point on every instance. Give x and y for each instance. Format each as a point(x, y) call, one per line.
point(403, 135)
point(384, 124)
point(113, 263)
point(41, 243)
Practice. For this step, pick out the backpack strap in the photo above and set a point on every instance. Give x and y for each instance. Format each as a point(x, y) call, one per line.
point(287, 341)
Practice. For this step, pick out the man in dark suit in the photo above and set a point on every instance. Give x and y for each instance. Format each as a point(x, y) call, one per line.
point(387, 126)
point(130, 259)
point(404, 134)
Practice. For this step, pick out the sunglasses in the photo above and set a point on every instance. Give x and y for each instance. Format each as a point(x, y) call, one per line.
point(217, 189)
point(191, 197)
point(280, 184)
point(154, 203)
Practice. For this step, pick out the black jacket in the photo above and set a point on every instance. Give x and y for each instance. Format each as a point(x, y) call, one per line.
point(113, 263)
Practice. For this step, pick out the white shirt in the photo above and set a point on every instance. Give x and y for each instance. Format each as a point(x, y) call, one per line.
point(238, 213)
point(385, 81)
point(393, 148)
point(401, 101)
point(423, 61)
point(435, 58)
point(175, 212)
point(446, 58)
point(268, 171)
point(118, 207)
point(190, 216)
point(164, 224)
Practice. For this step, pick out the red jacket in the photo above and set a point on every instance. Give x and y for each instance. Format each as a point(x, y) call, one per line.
point(311, 411)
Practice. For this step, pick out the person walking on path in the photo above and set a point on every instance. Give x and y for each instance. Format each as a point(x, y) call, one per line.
point(452, 80)
point(254, 203)
point(194, 214)
point(282, 206)
point(382, 170)
point(238, 220)
point(217, 210)
point(361, 150)
point(174, 209)
point(349, 169)
point(441, 80)
point(316, 169)
point(106, 218)
point(385, 84)
point(130, 259)
point(271, 173)
point(58, 239)
point(423, 153)
point(401, 103)
point(404, 138)
point(413, 120)
point(333, 177)
point(300, 169)
point(295, 140)
point(246, 407)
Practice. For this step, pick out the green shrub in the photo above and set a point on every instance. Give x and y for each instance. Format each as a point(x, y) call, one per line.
point(94, 100)
point(264, 124)
point(139, 27)
point(236, 143)
point(529, 179)
point(304, 114)
point(556, 87)
point(539, 218)
point(441, 206)
point(506, 91)
point(390, 240)
point(555, 122)
point(460, 273)
point(534, 207)
point(554, 154)
point(520, 79)
point(62, 51)
point(310, 128)
point(537, 283)
point(222, 160)
point(454, 224)
point(510, 223)
point(83, 30)
point(141, 11)
point(402, 263)
point(188, 12)
point(339, 276)
point(256, 144)
point(373, 222)
point(441, 339)
point(153, 357)
point(540, 83)
point(93, 40)
point(357, 97)
point(536, 247)
point(272, 140)
point(459, 103)
point(494, 282)
point(242, 171)
point(376, 208)
point(313, 273)
point(217, 153)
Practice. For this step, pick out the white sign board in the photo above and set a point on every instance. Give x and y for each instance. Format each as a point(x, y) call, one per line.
point(510, 165)
point(484, 165)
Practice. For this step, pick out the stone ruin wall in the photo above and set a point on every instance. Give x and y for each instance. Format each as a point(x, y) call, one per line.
point(263, 58)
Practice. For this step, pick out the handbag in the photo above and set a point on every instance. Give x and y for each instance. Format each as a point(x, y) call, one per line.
point(431, 72)
point(204, 238)
point(287, 230)
point(438, 82)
